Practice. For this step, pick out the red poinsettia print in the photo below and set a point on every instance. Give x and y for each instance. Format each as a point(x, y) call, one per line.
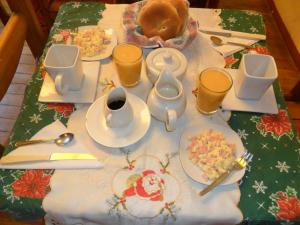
point(278, 124)
point(43, 73)
point(230, 60)
point(289, 209)
point(33, 184)
point(260, 49)
point(147, 185)
point(287, 205)
point(65, 108)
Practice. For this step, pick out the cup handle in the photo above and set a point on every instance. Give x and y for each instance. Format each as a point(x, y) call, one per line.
point(171, 120)
point(59, 86)
point(108, 119)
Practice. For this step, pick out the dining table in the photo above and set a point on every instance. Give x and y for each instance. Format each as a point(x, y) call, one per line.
point(268, 193)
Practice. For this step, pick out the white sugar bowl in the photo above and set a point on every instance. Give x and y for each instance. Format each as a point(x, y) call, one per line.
point(162, 58)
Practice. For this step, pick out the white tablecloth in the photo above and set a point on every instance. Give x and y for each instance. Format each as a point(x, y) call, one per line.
point(96, 196)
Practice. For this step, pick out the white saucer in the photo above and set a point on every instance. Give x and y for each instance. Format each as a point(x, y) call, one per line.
point(118, 137)
point(266, 104)
point(86, 94)
point(194, 171)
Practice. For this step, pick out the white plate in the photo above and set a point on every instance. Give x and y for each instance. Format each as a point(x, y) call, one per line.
point(266, 104)
point(194, 171)
point(108, 48)
point(118, 137)
point(86, 94)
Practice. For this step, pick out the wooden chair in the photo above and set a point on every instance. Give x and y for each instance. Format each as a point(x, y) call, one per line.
point(22, 25)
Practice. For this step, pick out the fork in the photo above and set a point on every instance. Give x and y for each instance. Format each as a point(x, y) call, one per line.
point(238, 164)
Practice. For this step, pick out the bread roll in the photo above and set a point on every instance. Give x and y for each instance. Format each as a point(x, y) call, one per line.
point(182, 8)
point(160, 18)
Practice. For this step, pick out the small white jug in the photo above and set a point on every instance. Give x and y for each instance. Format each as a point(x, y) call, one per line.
point(166, 100)
point(118, 111)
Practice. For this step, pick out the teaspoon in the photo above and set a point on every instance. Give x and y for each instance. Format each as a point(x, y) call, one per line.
point(218, 41)
point(63, 139)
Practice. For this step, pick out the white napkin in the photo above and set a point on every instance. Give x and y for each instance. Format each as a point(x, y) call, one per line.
point(229, 49)
point(52, 131)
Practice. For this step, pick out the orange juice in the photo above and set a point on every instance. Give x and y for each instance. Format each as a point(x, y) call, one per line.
point(213, 84)
point(128, 61)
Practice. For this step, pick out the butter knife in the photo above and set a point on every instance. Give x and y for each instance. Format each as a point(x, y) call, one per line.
point(229, 33)
point(52, 157)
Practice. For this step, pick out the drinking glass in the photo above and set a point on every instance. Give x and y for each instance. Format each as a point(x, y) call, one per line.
point(213, 85)
point(128, 60)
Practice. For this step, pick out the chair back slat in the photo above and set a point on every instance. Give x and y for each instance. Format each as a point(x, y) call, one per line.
point(12, 39)
point(35, 36)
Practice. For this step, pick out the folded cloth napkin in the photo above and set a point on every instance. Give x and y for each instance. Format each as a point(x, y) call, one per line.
point(226, 49)
point(52, 131)
point(229, 49)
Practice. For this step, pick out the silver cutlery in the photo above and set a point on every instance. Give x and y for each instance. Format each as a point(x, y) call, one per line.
point(63, 139)
point(9, 159)
point(229, 33)
point(238, 164)
point(219, 42)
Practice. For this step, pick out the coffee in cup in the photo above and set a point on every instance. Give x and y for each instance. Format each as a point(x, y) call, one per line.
point(118, 111)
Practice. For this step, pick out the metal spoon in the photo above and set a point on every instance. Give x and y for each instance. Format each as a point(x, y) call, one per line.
point(63, 139)
point(218, 41)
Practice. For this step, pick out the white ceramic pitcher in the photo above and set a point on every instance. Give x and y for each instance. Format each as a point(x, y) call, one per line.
point(166, 100)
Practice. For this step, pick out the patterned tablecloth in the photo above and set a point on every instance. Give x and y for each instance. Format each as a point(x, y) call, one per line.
point(269, 190)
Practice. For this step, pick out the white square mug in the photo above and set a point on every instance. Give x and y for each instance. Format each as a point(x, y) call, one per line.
point(64, 65)
point(255, 75)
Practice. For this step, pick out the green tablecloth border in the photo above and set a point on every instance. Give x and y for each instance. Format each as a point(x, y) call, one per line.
point(271, 182)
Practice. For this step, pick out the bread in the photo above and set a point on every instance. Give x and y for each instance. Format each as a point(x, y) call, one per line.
point(164, 18)
point(183, 13)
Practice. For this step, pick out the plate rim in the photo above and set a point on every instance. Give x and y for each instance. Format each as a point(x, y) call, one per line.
point(204, 126)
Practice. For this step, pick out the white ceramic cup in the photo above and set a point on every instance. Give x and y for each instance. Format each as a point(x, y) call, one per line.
point(255, 75)
point(118, 111)
point(64, 65)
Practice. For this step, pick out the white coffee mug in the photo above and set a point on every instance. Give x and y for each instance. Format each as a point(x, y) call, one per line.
point(64, 65)
point(118, 111)
point(255, 75)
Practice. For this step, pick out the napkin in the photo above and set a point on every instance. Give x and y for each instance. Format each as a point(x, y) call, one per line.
point(52, 131)
point(226, 49)
point(229, 49)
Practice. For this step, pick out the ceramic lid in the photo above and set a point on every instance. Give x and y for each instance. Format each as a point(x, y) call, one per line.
point(166, 57)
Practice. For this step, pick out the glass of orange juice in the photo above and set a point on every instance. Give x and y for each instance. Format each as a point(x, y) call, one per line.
point(128, 60)
point(213, 85)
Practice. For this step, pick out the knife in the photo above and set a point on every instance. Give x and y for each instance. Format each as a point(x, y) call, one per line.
point(229, 33)
point(52, 157)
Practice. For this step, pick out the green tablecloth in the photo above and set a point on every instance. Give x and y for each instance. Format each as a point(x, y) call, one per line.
point(269, 190)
